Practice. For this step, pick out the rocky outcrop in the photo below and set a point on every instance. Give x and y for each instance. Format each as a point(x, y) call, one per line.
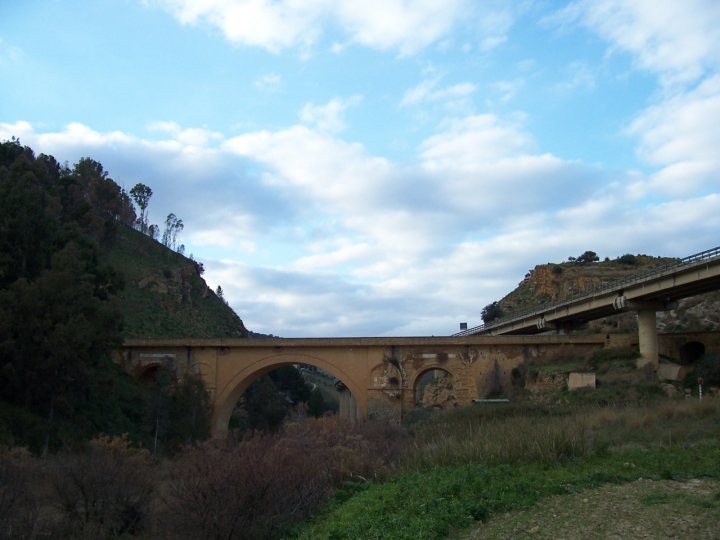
point(440, 392)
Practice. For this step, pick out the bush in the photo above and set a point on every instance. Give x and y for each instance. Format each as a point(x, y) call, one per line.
point(103, 493)
point(623, 355)
point(491, 312)
point(18, 508)
point(252, 488)
point(708, 367)
point(259, 486)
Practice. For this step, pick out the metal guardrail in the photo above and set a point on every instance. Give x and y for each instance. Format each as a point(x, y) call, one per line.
point(602, 288)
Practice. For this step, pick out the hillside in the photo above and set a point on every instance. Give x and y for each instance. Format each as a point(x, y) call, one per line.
point(165, 295)
point(551, 281)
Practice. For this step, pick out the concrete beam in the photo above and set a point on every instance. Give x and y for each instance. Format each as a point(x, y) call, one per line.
point(622, 303)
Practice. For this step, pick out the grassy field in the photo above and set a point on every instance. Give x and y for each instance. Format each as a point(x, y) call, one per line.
point(643, 509)
point(467, 465)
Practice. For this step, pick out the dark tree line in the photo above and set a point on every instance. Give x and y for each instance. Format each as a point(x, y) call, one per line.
point(58, 315)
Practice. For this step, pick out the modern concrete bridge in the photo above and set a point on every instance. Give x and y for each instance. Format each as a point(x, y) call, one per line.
point(380, 375)
point(646, 292)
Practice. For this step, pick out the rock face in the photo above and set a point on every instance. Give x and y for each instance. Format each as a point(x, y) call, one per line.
point(440, 392)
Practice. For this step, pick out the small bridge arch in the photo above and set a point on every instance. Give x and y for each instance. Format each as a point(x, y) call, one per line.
point(416, 378)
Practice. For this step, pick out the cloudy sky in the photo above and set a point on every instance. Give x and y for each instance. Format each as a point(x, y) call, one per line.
point(383, 167)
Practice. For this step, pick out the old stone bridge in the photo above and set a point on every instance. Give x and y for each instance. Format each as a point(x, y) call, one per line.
point(380, 374)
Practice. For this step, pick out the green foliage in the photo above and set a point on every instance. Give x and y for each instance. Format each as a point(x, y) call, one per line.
point(173, 301)
point(60, 314)
point(707, 367)
point(176, 414)
point(621, 355)
point(432, 503)
point(316, 404)
point(141, 195)
point(289, 380)
point(587, 257)
point(627, 259)
point(491, 312)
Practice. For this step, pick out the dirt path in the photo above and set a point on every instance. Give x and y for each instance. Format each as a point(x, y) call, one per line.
point(642, 509)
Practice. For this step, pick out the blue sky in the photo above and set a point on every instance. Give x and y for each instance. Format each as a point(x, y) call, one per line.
point(382, 167)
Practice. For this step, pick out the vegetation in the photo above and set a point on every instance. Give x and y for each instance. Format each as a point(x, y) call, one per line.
point(76, 278)
point(491, 312)
point(467, 464)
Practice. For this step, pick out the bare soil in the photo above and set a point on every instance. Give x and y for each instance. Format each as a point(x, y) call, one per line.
point(638, 510)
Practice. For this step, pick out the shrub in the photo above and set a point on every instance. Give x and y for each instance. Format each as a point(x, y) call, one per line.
point(623, 355)
point(102, 493)
point(491, 312)
point(259, 486)
point(708, 367)
point(18, 508)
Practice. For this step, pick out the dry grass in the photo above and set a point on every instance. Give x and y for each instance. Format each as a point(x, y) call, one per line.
point(524, 435)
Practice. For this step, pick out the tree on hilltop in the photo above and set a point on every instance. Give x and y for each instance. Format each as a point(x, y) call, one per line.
point(141, 195)
point(587, 257)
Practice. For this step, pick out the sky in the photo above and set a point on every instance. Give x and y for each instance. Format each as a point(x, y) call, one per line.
point(385, 167)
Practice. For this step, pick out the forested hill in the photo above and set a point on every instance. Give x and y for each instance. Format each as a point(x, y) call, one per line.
point(554, 281)
point(165, 295)
point(76, 278)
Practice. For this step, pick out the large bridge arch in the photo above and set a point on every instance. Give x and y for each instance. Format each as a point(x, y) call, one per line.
point(228, 395)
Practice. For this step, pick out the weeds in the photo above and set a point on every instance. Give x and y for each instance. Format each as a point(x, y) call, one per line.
point(103, 493)
point(18, 504)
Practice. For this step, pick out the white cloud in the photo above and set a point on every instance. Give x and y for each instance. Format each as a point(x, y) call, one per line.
point(403, 25)
point(9, 53)
point(508, 89)
point(328, 117)
point(468, 143)
point(359, 244)
point(269, 82)
point(191, 137)
point(679, 134)
point(428, 92)
point(677, 40)
point(579, 77)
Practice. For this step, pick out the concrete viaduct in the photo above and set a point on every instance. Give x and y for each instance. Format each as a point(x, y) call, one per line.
point(647, 292)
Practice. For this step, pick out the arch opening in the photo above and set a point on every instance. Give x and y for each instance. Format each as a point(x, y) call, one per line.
point(228, 397)
point(284, 392)
point(691, 352)
point(149, 375)
point(435, 388)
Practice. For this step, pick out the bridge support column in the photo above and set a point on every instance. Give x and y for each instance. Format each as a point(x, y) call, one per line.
point(647, 333)
point(348, 405)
